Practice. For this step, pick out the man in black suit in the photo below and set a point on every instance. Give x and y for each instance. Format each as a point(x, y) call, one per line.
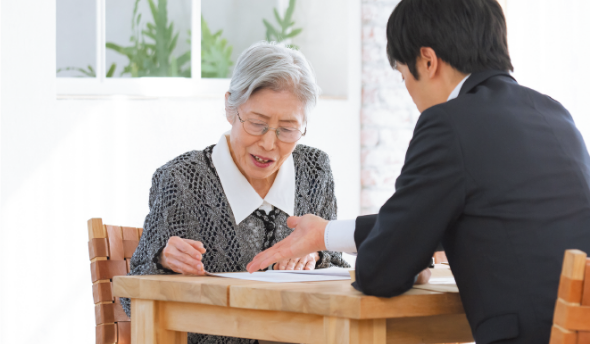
point(496, 172)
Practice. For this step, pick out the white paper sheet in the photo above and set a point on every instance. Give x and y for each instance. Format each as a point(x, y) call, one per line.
point(443, 284)
point(442, 280)
point(333, 271)
point(290, 276)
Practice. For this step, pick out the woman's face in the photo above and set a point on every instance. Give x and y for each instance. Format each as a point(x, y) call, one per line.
point(260, 157)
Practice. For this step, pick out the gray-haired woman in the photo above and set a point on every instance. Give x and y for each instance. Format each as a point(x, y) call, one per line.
point(232, 200)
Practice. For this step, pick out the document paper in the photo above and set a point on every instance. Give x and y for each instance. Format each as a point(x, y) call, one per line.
point(290, 276)
point(442, 280)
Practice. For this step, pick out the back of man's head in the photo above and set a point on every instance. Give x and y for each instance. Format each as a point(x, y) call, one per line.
point(469, 35)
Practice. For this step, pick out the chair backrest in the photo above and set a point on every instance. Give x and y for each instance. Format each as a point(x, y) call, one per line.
point(571, 320)
point(110, 249)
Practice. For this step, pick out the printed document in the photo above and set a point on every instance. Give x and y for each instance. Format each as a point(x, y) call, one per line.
point(290, 276)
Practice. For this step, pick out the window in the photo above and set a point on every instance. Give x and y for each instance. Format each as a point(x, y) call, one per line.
point(147, 47)
point(316, 27)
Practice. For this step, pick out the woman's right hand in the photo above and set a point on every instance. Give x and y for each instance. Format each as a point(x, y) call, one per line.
point(183, 256)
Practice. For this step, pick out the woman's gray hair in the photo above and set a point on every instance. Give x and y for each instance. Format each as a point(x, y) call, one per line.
point(272, 66)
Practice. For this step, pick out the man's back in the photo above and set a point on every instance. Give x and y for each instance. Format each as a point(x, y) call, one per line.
point(502, 176)
point(527, 201)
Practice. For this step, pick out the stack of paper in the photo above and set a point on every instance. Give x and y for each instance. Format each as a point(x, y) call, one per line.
point(442, 280)
point(290, 276)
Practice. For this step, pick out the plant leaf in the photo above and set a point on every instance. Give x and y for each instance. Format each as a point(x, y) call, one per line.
point(294, 33)
point(111, 70)
point(270, 30)
point(153, 9)
point(173, 43)
point(184, 58)
point(278, 17)
point(289, 12)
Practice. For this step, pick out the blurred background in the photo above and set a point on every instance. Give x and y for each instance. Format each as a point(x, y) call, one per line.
point(97, 94)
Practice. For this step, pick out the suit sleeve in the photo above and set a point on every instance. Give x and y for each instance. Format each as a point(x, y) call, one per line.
point(397, 243)
point(363, 226)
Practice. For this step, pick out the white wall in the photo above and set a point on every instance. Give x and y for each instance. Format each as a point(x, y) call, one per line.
point(549, 43)
point(232, 16)
point(65, 161)
point(324, 39)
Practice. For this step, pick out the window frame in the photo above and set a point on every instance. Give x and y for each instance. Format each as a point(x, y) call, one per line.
point(150, 87)
point(145, 86)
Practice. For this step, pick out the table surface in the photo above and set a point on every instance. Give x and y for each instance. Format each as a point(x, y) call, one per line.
point(328, 298)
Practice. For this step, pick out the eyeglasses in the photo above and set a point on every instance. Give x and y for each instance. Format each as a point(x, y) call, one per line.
point(257, 128)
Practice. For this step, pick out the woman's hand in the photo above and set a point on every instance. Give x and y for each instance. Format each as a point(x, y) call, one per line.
point(423, 277)
point(302, 263)
point(183, 256)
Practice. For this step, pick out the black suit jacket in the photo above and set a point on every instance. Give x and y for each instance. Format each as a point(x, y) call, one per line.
point(501, 176)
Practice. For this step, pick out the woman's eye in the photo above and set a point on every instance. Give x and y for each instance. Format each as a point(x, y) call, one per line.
point(287, 130)
point(259, 125)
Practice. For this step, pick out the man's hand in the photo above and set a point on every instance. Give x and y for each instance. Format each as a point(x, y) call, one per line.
point(183, 256)
point(440, 257)
point(307, 237)
point(304, 263)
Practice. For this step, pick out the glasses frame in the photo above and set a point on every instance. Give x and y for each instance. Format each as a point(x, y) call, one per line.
point(267, 128)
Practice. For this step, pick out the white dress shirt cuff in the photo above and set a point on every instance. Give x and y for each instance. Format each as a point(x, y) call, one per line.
point(339, 236)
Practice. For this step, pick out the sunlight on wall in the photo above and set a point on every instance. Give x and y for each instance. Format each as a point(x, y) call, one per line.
point(65, 161)
point(548, 42)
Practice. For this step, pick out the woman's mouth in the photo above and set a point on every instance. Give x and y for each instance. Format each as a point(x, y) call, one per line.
point(261, 161)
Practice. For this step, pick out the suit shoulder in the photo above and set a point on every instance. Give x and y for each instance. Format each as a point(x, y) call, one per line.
point(311, 157)
point(435, 115)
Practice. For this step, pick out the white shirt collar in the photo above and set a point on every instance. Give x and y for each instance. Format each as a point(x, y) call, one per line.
point(242, 197)
point(457, 89)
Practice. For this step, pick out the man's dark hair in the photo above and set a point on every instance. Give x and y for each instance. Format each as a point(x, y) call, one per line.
point(469, 35)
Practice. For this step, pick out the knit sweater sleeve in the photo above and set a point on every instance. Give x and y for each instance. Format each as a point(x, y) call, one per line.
point(165, 220)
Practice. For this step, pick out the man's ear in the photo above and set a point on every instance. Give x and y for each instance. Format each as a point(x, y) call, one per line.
point(429, 61)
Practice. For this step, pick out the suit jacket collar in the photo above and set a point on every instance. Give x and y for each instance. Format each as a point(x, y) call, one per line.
point(479, 77)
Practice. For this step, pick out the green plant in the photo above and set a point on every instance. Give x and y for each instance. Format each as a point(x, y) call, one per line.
point(153, 58)
point(215, 53)
point(285, 31)
point(89, 72)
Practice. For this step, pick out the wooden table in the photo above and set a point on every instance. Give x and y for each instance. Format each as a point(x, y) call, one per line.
point(165, 307)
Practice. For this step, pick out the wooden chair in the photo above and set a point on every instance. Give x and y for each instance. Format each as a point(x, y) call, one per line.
point(110, 249)
point(571, 320)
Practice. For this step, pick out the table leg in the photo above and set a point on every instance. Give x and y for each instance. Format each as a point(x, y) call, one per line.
point(147, 325)
point(350, 331)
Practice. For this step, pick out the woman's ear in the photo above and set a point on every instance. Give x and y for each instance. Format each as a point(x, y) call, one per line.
point(229, 118)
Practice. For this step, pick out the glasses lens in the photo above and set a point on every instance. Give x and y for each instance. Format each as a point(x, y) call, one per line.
point(289, 135)
point(255, 128)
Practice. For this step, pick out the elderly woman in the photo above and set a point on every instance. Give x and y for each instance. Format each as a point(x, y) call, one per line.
point(215, 209)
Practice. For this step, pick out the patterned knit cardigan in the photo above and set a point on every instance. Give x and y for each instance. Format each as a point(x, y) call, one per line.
point(187, 200)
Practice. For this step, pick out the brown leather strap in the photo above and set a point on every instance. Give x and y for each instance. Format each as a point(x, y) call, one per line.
point(98, 247)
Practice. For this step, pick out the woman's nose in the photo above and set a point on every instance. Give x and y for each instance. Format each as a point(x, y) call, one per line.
point(268, 140)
